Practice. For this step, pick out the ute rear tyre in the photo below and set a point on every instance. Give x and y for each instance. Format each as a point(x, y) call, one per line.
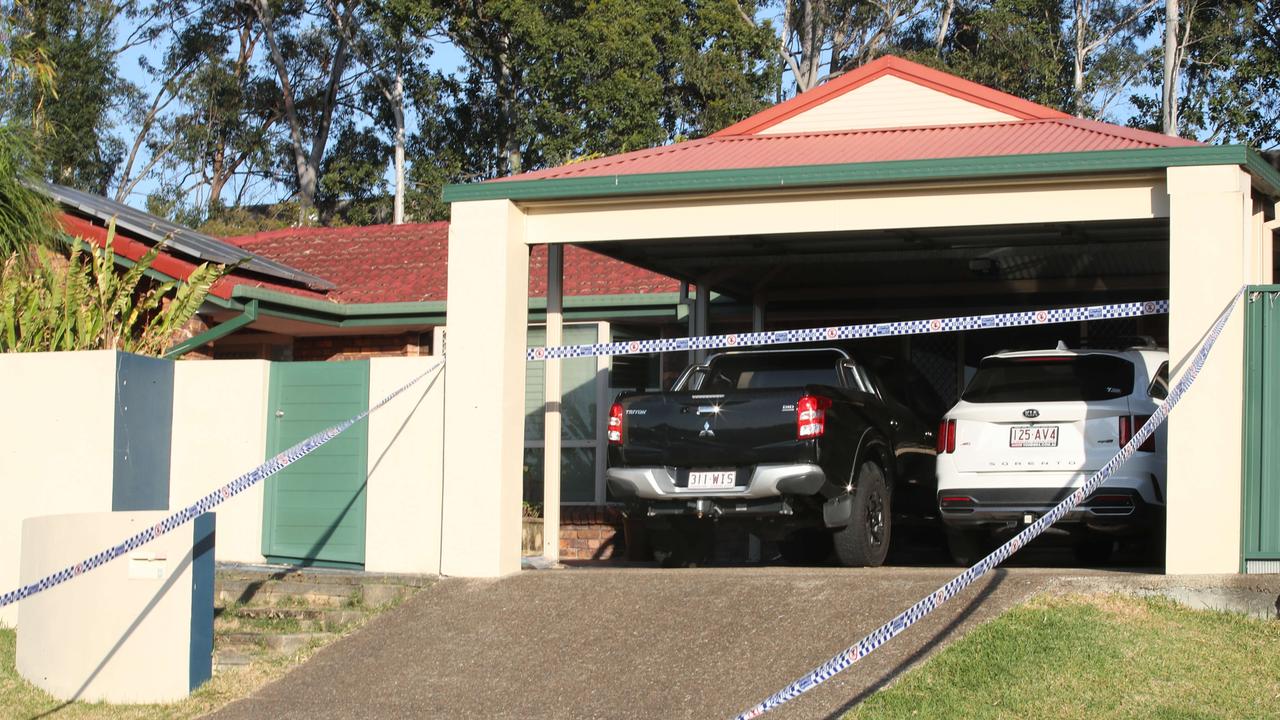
point(864, 542)
point(967, 546)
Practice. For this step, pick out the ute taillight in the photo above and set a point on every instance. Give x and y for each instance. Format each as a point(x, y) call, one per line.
point(1129, 425)
point(615, 424)
point(811, 416)
point(946, 437)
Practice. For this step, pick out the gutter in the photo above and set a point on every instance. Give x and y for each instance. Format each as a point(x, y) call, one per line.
point(214, 333)
point(323, 312)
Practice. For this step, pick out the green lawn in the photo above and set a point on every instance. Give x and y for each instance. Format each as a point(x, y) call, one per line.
point(1096, 657)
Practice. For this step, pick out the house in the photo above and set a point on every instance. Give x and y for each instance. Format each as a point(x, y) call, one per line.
point(334, 294)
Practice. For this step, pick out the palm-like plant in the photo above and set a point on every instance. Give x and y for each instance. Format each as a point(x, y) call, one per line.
point(83, 301)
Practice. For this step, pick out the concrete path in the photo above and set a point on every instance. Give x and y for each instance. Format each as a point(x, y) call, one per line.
point(632, 643)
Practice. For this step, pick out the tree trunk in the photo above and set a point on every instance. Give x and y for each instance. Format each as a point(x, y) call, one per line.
point(397, 109)
point(1079, 56)
point(218, 179)
point(306, 163)
point(944, 25)
point(810, 34)
point(1169, 94)
point(511, 155)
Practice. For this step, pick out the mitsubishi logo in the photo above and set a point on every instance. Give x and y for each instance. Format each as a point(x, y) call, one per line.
point(1031, 413)
point(706, 430)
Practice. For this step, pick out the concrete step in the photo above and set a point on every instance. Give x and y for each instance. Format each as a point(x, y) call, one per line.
point(293, 642)
point(304, 619)
point(238, 641)
point(319, 575)
point(275, 592)
point(246, 643)
point(227, 659)
point(275, 612)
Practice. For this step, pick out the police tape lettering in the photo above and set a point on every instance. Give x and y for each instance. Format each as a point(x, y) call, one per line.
point(854, 332)
point(206, 503)
point(935, 599)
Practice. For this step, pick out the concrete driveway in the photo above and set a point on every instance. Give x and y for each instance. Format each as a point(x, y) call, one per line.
point(631, 642)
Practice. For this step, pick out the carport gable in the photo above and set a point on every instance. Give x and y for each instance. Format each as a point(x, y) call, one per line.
point(889, 121)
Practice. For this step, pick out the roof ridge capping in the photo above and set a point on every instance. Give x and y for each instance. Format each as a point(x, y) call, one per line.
point(903, 69)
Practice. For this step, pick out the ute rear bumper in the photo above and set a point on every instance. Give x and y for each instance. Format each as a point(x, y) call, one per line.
point(763, 482)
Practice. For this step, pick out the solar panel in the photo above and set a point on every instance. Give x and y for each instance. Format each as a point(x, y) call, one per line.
point(179, 239)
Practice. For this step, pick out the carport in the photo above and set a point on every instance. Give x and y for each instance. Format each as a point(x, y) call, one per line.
point(893, 192)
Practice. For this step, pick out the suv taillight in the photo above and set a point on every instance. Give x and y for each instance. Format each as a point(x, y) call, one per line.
point(1129, 425)
point(811, 416)
point(946, 437)
point(615, 424)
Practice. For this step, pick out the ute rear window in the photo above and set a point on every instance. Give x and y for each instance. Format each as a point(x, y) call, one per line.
point(767, 370)
point(1051, 378)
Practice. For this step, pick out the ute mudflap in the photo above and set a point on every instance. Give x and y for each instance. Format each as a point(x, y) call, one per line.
point(707, 430)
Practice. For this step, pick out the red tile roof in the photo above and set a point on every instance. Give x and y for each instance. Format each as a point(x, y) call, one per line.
point(409, 263)
point(1038, 129)
point(383, 263)
point(374, 264)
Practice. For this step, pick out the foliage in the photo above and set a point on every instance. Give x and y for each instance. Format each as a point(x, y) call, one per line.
point(1232, 73)
point(316, 99)
point(78, 149)
point(545, 82)
point(83, 302)
point(23, 64)
point(26, 216)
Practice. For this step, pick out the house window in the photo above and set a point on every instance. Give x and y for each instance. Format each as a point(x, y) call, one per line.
point(584, 389)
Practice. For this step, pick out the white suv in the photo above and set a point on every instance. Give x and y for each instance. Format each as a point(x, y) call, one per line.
point(1032, 426)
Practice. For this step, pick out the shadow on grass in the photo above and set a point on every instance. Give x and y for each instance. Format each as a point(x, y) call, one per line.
point(939, 637)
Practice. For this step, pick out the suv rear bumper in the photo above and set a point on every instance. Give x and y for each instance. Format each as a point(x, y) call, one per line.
point(1109, 510)
point(766, 481)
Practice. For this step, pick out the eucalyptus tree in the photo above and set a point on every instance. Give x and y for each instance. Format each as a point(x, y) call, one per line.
point(386, 37)
point(820, 38)
point(546, 82)
point(314, 79)
point(1229, 58)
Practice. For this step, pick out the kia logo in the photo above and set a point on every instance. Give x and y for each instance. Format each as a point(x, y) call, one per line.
point(1031, 413)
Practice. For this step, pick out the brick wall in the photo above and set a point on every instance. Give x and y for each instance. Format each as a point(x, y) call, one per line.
point(338, 347)
point(591, 533)
point(358, 347)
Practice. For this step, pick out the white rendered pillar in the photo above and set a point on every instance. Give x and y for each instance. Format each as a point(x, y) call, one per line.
point(484, 389)
point(1215, 246)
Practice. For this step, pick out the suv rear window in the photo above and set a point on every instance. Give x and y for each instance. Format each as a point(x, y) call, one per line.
point(1051, 378)
point(772, 370)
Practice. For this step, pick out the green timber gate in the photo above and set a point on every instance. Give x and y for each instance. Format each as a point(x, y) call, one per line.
point(314, 510)
point(1261, 501)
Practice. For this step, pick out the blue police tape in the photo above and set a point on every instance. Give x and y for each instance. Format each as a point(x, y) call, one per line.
point(854, 332)
point(931, 602)
point(206, 503)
